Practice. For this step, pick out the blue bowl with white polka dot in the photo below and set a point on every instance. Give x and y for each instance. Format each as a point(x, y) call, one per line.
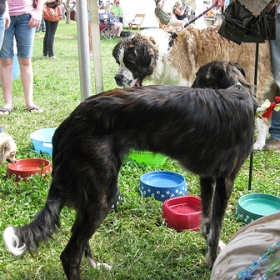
point(162, 185)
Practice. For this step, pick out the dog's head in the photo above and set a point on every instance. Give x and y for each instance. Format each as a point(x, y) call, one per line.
point(7, 148)
point(136, 56)
point(220, 74)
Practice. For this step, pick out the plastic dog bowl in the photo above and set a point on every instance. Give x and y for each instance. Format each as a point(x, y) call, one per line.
point(162, 185)
point(25, 168)
point(182, 213)
point(147, 157)
point(42, 140)
point(253, 206)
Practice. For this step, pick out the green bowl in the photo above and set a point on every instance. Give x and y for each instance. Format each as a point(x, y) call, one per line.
point(147, 157)
point(256, 205)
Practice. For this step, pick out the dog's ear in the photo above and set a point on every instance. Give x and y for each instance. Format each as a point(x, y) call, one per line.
point(116, 51)
point(240, 68)
point(146, 53)
point(4, 148)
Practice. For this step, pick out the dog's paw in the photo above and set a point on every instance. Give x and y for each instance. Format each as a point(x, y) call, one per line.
point(96, 265)
point(12, 242)
point(258, 146)
point(206, 227)
point(209, 260)
point(222, 245)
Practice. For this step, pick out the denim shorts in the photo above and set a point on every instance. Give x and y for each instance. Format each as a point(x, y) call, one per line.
point(24, 38)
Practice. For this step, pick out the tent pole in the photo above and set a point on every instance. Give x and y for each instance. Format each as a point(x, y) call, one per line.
point(83, 49)
point(255, 83)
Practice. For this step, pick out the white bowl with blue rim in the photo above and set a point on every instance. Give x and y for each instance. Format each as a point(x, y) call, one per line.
point(42, 140)
point(162, 185)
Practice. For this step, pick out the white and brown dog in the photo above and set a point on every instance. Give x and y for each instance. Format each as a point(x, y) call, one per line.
point(7, 148)
point(148, 56)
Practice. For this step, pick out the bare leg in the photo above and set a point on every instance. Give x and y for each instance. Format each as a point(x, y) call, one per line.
point(90, 38)
point(7, 81)
point(26, 75)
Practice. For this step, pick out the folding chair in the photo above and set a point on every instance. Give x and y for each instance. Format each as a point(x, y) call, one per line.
point(105, 30)
point(105, 26)
point(137, 22)
point(161, 25)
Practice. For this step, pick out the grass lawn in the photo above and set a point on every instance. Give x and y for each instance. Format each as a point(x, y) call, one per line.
point(134, 239)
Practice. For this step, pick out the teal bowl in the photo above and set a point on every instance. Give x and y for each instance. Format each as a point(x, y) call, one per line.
point(253, 206)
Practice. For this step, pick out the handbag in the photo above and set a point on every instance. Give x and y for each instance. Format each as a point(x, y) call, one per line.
point(52, 14)
point(73, 15)
point(239, 24)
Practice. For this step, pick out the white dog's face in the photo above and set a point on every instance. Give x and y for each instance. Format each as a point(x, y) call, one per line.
point(124, 77)
point(7, 148)
point(136, 56)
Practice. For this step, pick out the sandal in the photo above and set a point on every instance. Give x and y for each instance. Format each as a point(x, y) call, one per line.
point(5, 111)
point(34, 109)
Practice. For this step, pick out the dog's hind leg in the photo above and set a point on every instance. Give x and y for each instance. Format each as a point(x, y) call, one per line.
point(222, 194)
point(88, 219)
point(92, 261)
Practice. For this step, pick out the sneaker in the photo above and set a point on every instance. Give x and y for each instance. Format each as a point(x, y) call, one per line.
point(272, 145)
point(53, 57)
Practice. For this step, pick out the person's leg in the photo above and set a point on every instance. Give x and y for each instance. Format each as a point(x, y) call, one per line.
point(274, 142)
point(25, 40)
point(90, 38)
point(45, 43)
point(119, 27)
point(179, 23)
point(6, 55)
point(52, 31)
point(43, 25)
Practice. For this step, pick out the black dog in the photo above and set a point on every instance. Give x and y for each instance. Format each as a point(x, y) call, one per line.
point(210, 132)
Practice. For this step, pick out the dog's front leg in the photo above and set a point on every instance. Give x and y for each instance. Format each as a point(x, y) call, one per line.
point(207, 187)
point(262, 126)
point(222, 194)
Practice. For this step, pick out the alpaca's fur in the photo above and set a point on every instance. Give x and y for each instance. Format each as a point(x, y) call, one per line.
point(209, 131)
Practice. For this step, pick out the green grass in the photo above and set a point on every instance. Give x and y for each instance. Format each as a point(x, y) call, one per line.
point(134, 239)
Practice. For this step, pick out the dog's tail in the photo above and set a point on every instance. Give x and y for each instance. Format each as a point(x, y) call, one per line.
point(20, 239)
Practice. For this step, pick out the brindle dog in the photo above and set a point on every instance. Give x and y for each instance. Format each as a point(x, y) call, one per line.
point(210, 132)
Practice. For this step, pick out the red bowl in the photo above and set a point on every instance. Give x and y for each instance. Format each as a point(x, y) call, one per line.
point(183, 212)
point(24, 168)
